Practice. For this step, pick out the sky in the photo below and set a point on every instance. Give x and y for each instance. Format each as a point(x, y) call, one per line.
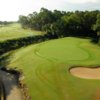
point(11, 9)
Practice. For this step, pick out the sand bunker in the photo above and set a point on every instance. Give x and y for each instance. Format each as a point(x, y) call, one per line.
point(87, 73)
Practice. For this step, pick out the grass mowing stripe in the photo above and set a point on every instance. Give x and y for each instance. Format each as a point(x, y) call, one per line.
point(41, 76)
point(88, 52)
point(57, 75)
point(55, 59)
point(51, 60)
point(48, 78)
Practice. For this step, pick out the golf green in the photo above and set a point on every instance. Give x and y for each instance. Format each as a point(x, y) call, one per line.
point(46, 69)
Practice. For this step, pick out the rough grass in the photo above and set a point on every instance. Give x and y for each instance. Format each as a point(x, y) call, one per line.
point(46, 69)
point(15, 31)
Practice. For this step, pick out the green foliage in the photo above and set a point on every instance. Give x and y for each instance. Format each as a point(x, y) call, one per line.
point(24, 21)
point(60, 24)
point(13, 44)
point(97, 25)
point(4, 23)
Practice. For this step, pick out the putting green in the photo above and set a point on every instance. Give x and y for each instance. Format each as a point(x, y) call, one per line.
point(46, 69)
point(63, 50)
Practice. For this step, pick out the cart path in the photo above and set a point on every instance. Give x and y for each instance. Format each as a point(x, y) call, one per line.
point(12, 91)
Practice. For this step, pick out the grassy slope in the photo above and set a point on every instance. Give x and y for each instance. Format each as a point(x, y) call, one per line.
point(46, 69)
point(15, 31)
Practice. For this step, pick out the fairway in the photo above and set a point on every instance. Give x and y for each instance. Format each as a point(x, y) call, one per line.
point(46, 69)
point(14, 30)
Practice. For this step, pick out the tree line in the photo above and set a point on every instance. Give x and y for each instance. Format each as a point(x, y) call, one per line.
point(58, 24)
point(3, 23)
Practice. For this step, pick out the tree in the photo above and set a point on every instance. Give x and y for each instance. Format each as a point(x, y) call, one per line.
point(45, 17)
point(89, 21)
point(73, 24)
point(57, 14)
point(97, 27)
point(60, 23)
point(24, 21)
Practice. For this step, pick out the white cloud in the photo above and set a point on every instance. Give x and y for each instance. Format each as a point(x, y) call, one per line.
point(82, 1)
point(11, 9)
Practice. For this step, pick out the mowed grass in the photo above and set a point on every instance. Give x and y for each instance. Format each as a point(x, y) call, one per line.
point(15, 30)
point(46, 69)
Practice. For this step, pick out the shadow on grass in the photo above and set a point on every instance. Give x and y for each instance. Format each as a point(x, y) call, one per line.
point(4, 60)
point(95, 40)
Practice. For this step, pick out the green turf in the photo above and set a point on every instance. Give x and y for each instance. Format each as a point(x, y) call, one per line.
point(15, 31)
point(46, 69)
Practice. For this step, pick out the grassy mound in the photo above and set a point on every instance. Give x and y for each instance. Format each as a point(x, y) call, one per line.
point(46, 69)
point(15, 31)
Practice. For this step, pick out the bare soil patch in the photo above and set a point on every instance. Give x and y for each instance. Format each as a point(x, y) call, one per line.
point(87, 73)
point(12, 91)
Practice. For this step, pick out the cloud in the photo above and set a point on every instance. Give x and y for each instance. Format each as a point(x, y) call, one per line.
point(82, 1)
point(11, 9)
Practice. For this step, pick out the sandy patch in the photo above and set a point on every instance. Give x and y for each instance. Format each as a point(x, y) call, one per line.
point(87, 73)
point(12, 91)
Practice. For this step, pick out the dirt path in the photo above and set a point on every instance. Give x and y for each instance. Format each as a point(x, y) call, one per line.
point(12, 90)
point(88, 73)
